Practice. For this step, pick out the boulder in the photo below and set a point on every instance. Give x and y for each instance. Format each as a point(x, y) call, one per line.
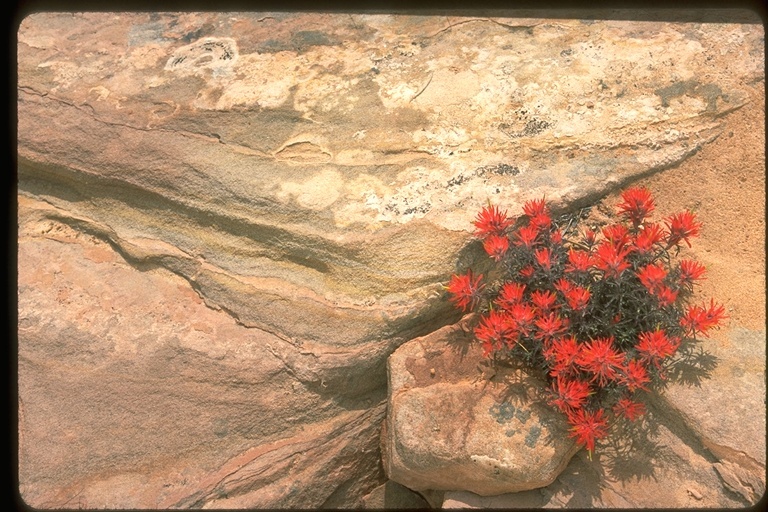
point(391, 495)
point(228, 221)
point(452, 426)
point(735, 432)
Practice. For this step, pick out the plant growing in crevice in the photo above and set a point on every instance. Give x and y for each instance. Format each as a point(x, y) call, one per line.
point(605, 317)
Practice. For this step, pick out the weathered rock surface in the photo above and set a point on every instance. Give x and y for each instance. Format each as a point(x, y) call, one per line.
point(228, 221)
point(670, 468)
point(392, 495)
point(133, 393)
point(453, 426)
point(736, 438)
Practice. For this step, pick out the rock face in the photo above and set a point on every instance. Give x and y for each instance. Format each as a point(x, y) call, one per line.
point(228, 221)
point(451, 426)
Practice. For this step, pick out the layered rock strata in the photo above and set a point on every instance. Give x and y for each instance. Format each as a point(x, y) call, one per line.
point(228, 221)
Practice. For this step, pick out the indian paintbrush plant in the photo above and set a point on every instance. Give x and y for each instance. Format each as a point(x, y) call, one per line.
point(604, 317)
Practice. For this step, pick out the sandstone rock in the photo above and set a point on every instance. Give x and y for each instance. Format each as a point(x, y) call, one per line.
point(391, 495)
point(134, 394)
point(240, 232)
point(449, 428)
point(735, 431)
point(669, 469)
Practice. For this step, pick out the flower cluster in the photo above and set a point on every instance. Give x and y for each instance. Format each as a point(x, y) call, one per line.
point(602, 314)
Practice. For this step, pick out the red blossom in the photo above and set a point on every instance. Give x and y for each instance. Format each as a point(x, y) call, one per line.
point(617, 234)
point(523, 315)
point(465, 290)
point(666, 295)
point(527, 271)
point(556, 237)
point(578, 298)
point(495, 331)
point(578, 261)
point(541, 221)
point(587, 427)
point(491, 221)
point(526, 236)
point(601, 359)
point(652, 276)
point(700, 319)
point(543, 257)
point(635, 375)
point(648, 236)
point(544, 300)
point(563, 285)
point(496, 246)
point(691, 271)
point(682, 226)
point(655, 346)
point(610, 259)
point(534, 207)
point(638, 203)
point(550, 326)
point(569, 394)
point(590, 237)
point(509, 295)
point(629, 409)
point(562, 354)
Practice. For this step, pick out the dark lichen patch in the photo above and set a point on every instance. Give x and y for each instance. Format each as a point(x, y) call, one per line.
point(708, 92)
point(523, 415)
point(500, 169)
point(502, 412)
point(533, 436)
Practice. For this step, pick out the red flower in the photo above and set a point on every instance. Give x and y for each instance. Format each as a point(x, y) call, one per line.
point(578, 261)
point(666, 295)
point(523, 315)
point(550, 326)
point(578, 298)
point(543, 257)
point(599, 358)
point(541, 221)
point(610, 259)
point(527, 271)
point(652, 276)
point(544, 300)
point(648, 236)
point(655, 346)
point(534, 207)
point(589, 237)
point(588, 427)
point(569, 395)
point(700, 319)
point(491, 221)
point(556, 237)
point(690, 271)
point(496, 246)
point(617, 234)
point(509, 295)
point(562, 353)
point(465, 290)
point(563, 285)
point(682, 226)
point(638, 203)
point(629, 409)
point(526, 236)
point(495, 331)
point(635, 376)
